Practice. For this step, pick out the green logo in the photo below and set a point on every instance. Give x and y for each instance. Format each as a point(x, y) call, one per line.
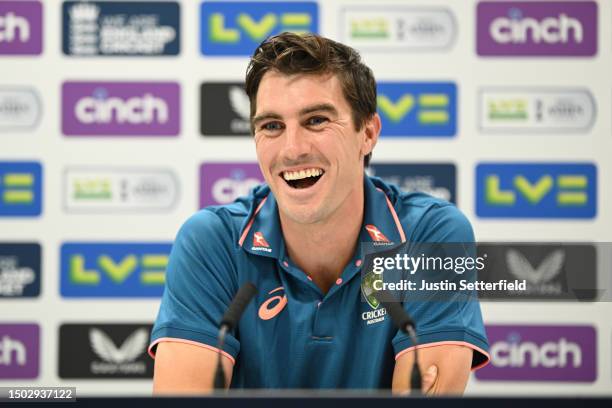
point(367, 288)
point(395, 111)
point(508, 109)
point(256, 30)
point(152, 269)
point(93, 189)
point(17, 188)
point(571, 190)
point(432, 107)
point(375, 28)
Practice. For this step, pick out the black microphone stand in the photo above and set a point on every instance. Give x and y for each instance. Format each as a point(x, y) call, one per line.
point(228, 322)
point(219, 380)
point(404, 322)
point(416, 380)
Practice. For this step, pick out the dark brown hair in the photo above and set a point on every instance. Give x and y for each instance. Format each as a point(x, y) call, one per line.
point(290, 53)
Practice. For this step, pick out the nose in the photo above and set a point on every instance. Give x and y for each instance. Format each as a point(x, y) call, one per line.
point(297, 144)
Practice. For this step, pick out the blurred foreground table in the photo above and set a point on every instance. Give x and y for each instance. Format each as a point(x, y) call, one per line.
point(325, 399)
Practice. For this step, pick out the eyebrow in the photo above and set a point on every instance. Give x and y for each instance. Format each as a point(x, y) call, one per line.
point(321, 107)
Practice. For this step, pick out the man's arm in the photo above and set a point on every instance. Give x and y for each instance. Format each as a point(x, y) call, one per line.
point(200, 284)
point(453, 364)
point(182, 368)
point(451, 330)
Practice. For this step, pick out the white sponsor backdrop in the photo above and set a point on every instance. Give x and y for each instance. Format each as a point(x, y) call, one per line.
point(184, 154)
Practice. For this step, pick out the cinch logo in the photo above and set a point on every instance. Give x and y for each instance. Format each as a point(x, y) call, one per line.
point(237, 28)
point(536, 190)
point(375, 234)
point(19, 108)
point(274, 305)
point(108, 189)
point(435, 179)
point(20, 189)
point(121, 28)
point(19, 270)
point(113, 269)
point(397, 28)
point(533, 109)
point(222, 183)
point(541, 353)
point(104, 351)
point(20, 27)
point(537, 28)
point(224, 109)
point(13, 352)
point(120, 108)
point(417, 108)
point(19, 350)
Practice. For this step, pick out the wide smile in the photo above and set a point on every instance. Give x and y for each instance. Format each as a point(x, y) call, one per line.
point(302, 179)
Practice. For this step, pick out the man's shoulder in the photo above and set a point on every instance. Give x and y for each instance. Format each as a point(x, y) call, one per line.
point(425, 217)
point(219, 220)
point(413, 205)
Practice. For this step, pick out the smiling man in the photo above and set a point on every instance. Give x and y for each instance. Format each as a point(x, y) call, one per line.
point(298, 239)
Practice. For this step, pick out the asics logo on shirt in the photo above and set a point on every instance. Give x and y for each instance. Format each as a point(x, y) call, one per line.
point(273, 306)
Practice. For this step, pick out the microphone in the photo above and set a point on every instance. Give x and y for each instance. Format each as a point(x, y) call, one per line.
point(228, 322)
point(404, 322)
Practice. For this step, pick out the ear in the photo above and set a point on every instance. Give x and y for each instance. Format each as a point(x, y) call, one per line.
point(371, 131)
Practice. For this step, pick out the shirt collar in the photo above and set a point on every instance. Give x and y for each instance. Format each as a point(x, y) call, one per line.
point(261, 233)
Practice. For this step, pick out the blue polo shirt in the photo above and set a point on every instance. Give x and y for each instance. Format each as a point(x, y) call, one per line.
point(292, 335)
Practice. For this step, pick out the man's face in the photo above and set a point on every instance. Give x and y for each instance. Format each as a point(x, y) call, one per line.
point(308, 149)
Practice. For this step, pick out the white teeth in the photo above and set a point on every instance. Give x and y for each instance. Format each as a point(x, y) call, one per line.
point(298, 175)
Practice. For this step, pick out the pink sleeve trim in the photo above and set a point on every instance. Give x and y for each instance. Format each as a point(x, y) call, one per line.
point(446, 343)
point(193, 343)
point(250, 224)
point(398, 224)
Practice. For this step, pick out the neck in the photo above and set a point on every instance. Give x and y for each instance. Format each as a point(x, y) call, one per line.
point(323, 249)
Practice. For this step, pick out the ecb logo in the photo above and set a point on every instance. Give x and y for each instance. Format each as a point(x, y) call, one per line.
point(237, 28)
point(542, 190)
point(20, 189)
point(418, 108)
point(113, 269)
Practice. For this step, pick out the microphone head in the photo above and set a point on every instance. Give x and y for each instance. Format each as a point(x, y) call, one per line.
point(239, 303)
point(399, 316)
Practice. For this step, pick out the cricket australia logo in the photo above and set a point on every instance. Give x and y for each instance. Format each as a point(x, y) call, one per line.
point(375, 315)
